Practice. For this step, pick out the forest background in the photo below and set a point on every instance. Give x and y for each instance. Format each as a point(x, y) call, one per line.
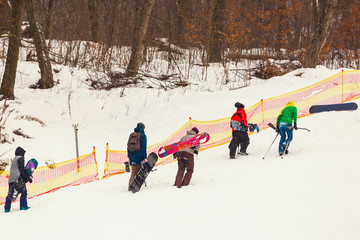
point(116, 40)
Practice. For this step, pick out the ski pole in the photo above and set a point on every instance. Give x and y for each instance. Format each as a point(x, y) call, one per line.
point(271, 145)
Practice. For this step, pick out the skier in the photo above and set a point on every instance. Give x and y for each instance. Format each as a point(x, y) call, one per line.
point(138, 157)
point(284, 126)
point(186, 160)
point(17, 169)
point(239, 128)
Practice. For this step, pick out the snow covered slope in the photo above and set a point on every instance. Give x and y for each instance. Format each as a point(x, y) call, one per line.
point(311, 194)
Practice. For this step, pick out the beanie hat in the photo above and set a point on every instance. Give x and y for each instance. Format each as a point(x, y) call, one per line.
point(140, 124)
point(239, 105)
point(290, 103)
point(195, 130)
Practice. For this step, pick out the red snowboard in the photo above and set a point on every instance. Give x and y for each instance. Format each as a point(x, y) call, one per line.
point(200, 138)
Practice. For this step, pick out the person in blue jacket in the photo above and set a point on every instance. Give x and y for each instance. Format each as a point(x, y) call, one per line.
point(139, 157)
point(17, 169)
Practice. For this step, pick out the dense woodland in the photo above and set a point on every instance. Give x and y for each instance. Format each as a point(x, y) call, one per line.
point(311, 32)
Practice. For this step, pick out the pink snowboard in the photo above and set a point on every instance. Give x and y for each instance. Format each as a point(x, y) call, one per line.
point(200, 138)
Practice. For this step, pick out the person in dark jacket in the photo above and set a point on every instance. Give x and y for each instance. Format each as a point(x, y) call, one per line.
point(284, 126)
point(17, 169)
point(186, 160)
point(138, 158)
point(239, 128)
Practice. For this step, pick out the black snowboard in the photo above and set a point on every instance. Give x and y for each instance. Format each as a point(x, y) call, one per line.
point(141, 176)
point(333, 107)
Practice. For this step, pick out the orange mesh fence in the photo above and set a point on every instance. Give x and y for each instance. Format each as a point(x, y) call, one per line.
point(339, 88)
point(51, 178)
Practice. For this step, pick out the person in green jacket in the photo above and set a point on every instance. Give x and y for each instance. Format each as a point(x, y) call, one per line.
point(284, 126)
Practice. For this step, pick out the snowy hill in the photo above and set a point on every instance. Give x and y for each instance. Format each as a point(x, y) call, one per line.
point(310, 194)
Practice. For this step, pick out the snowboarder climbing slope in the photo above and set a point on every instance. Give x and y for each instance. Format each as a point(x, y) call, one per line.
point(137, 149)
point(239, 128)
point(284, 126)
point(17, 170)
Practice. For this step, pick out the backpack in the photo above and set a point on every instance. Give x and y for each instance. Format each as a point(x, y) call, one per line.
point(133, 144)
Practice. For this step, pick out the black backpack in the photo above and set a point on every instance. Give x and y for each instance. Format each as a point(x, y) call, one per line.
point(133, 144)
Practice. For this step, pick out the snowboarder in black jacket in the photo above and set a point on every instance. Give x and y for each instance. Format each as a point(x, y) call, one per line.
point(17, 169)
point(239, 126)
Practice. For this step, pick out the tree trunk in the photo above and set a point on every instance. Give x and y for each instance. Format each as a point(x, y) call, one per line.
point(8, 81)
point(42, 52)
point(312, 56)
point(215, 46)
point(315, 14)
point(139, 38)
point(49, 19)
point(94, 15)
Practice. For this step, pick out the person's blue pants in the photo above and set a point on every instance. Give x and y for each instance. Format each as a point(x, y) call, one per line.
point(286, 133)
point(23, 198)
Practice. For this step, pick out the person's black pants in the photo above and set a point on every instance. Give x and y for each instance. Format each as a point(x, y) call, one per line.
point(239, 138)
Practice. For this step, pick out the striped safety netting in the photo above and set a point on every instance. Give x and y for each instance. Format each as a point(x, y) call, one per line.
point(342, 87)
point(50, 178)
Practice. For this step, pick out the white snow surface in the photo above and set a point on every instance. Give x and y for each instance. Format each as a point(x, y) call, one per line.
point(311, 194)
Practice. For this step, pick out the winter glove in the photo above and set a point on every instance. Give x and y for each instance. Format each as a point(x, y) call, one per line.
point(176, 155)
point(28, 179)
point(295, 126)
point(277, 129)
point(196, 152)
point(145, 165)
point(127, 166)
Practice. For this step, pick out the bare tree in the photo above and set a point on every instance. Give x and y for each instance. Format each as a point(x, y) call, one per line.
point(4, 18)
point(94, 15)
point(215, 48)
point(42, 52)
point(142, 21)
point(182, 17)
point(312, 56)
point(281, 22)
point(112, 9)
point(8, 81)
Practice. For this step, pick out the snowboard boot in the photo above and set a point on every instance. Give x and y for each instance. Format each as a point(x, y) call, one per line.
point(244, 154)
point(7, 210)
point(284, 148)
point(24, 208)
